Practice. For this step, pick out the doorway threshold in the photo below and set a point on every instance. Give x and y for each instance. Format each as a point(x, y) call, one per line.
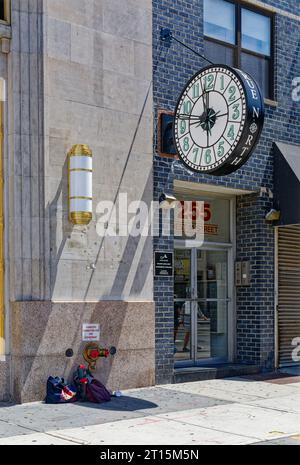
point(213, 371)
point(292, 370)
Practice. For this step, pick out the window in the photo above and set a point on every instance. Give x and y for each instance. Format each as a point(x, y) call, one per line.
point(240, 37)
point(4, 10)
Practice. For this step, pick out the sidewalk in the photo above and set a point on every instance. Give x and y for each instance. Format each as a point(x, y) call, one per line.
point(248, 410)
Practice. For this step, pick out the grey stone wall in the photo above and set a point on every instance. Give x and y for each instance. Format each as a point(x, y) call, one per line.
point(98, 68)
point(80, 72)
point(25, 170)
point(43, 331)
point(4, 381)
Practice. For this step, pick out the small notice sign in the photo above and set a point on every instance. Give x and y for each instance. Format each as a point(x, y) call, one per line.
point(90, 332)
point(163, 264)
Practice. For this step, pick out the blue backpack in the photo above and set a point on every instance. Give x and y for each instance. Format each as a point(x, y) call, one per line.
point(58, 392)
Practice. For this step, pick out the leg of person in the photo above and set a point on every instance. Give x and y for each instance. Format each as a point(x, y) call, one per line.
point(186, 341)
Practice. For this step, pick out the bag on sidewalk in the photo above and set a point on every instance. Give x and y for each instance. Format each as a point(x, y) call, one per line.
point(97, 393)
point(81, 378)
point(58, 392)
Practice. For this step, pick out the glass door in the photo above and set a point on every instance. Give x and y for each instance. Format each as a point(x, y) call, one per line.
point(183, 305)
point(211, 333)
point(200, 305)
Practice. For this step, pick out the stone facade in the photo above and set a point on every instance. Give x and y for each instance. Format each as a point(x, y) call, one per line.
point(43, 331)
point(98, 90)
point(5, 394)
point(254, 237)
point(78, 72)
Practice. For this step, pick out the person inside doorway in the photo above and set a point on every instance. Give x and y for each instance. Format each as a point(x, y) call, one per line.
point(187, 324)
point(178, 308)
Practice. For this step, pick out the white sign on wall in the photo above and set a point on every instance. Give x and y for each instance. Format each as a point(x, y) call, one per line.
point(90, 332)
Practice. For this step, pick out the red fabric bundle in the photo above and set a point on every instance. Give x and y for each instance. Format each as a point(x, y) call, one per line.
point(97, 393)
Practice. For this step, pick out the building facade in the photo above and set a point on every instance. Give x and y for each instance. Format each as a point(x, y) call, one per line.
point(95, 73)
point(77, 73)
point(217, 318)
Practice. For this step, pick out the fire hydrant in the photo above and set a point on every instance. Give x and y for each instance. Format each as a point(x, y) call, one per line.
point(93, 352)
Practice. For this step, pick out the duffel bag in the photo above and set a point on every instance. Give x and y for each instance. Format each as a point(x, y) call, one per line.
point(97, 393)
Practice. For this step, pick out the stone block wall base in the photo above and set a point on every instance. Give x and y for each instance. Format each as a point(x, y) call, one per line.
point(4, 381)
point(43, 331)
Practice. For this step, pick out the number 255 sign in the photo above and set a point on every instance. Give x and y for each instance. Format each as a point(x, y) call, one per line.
point(191, 210)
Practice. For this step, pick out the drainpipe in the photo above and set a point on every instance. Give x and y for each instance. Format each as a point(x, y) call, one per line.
point(2, 310)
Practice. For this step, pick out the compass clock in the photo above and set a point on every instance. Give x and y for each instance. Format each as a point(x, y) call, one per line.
point(218, 120)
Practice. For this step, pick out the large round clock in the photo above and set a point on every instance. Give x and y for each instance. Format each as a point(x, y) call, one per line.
point(218, 120)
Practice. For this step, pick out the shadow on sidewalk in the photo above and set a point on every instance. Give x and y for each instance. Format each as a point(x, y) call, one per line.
point(124, 404)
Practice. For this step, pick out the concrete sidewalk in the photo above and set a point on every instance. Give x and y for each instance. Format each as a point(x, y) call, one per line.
point(250, 410)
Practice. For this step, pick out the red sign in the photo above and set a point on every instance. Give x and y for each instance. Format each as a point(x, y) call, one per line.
point(191, 210)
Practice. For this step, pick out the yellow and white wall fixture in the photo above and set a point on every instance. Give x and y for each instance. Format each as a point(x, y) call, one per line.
point(80, 167)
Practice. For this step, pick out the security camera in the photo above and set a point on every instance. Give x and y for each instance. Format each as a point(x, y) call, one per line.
point(167, 201)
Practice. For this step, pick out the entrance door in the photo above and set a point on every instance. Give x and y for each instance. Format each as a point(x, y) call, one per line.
point(201, 305)
point(183, 304)
point(212, 302)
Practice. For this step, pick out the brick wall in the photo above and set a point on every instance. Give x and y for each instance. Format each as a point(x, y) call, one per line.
point(290, 6)
point(255, 239)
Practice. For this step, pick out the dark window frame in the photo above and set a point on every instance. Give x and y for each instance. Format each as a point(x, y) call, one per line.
point(159, 146)
point(6, 12)
point(237, 47)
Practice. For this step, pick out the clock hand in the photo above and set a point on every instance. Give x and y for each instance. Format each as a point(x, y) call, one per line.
point(207, 103)
point(218, 115)
point(209, 128)
point(188, 117)
point(201, 123)
point(204, 96)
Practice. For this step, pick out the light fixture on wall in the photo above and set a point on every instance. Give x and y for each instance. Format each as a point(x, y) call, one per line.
point(80, 167)
point(273, 215)
point(167, 201)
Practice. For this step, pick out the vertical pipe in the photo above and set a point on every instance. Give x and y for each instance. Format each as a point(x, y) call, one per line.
point(2, 310)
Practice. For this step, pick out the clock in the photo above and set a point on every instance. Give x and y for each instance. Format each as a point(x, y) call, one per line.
point(218, 120)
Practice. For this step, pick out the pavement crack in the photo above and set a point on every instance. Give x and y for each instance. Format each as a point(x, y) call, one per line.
point(67, 438)
point(214, 429)
point(38, 431)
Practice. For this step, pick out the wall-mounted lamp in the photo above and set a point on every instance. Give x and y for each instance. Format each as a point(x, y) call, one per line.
point(273, 215)
point(80, 165)
point(167, 201)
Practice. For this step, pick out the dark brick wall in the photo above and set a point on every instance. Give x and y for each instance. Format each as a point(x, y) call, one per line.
point(290, 6)
point(255, 239)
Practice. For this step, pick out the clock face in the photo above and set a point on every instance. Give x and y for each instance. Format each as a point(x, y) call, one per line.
point(218, 120)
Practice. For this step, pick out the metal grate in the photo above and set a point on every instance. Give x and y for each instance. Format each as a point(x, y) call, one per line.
point(288, 292)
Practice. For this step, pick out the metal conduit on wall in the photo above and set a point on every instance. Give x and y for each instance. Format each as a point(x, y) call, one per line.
point(2, 310)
